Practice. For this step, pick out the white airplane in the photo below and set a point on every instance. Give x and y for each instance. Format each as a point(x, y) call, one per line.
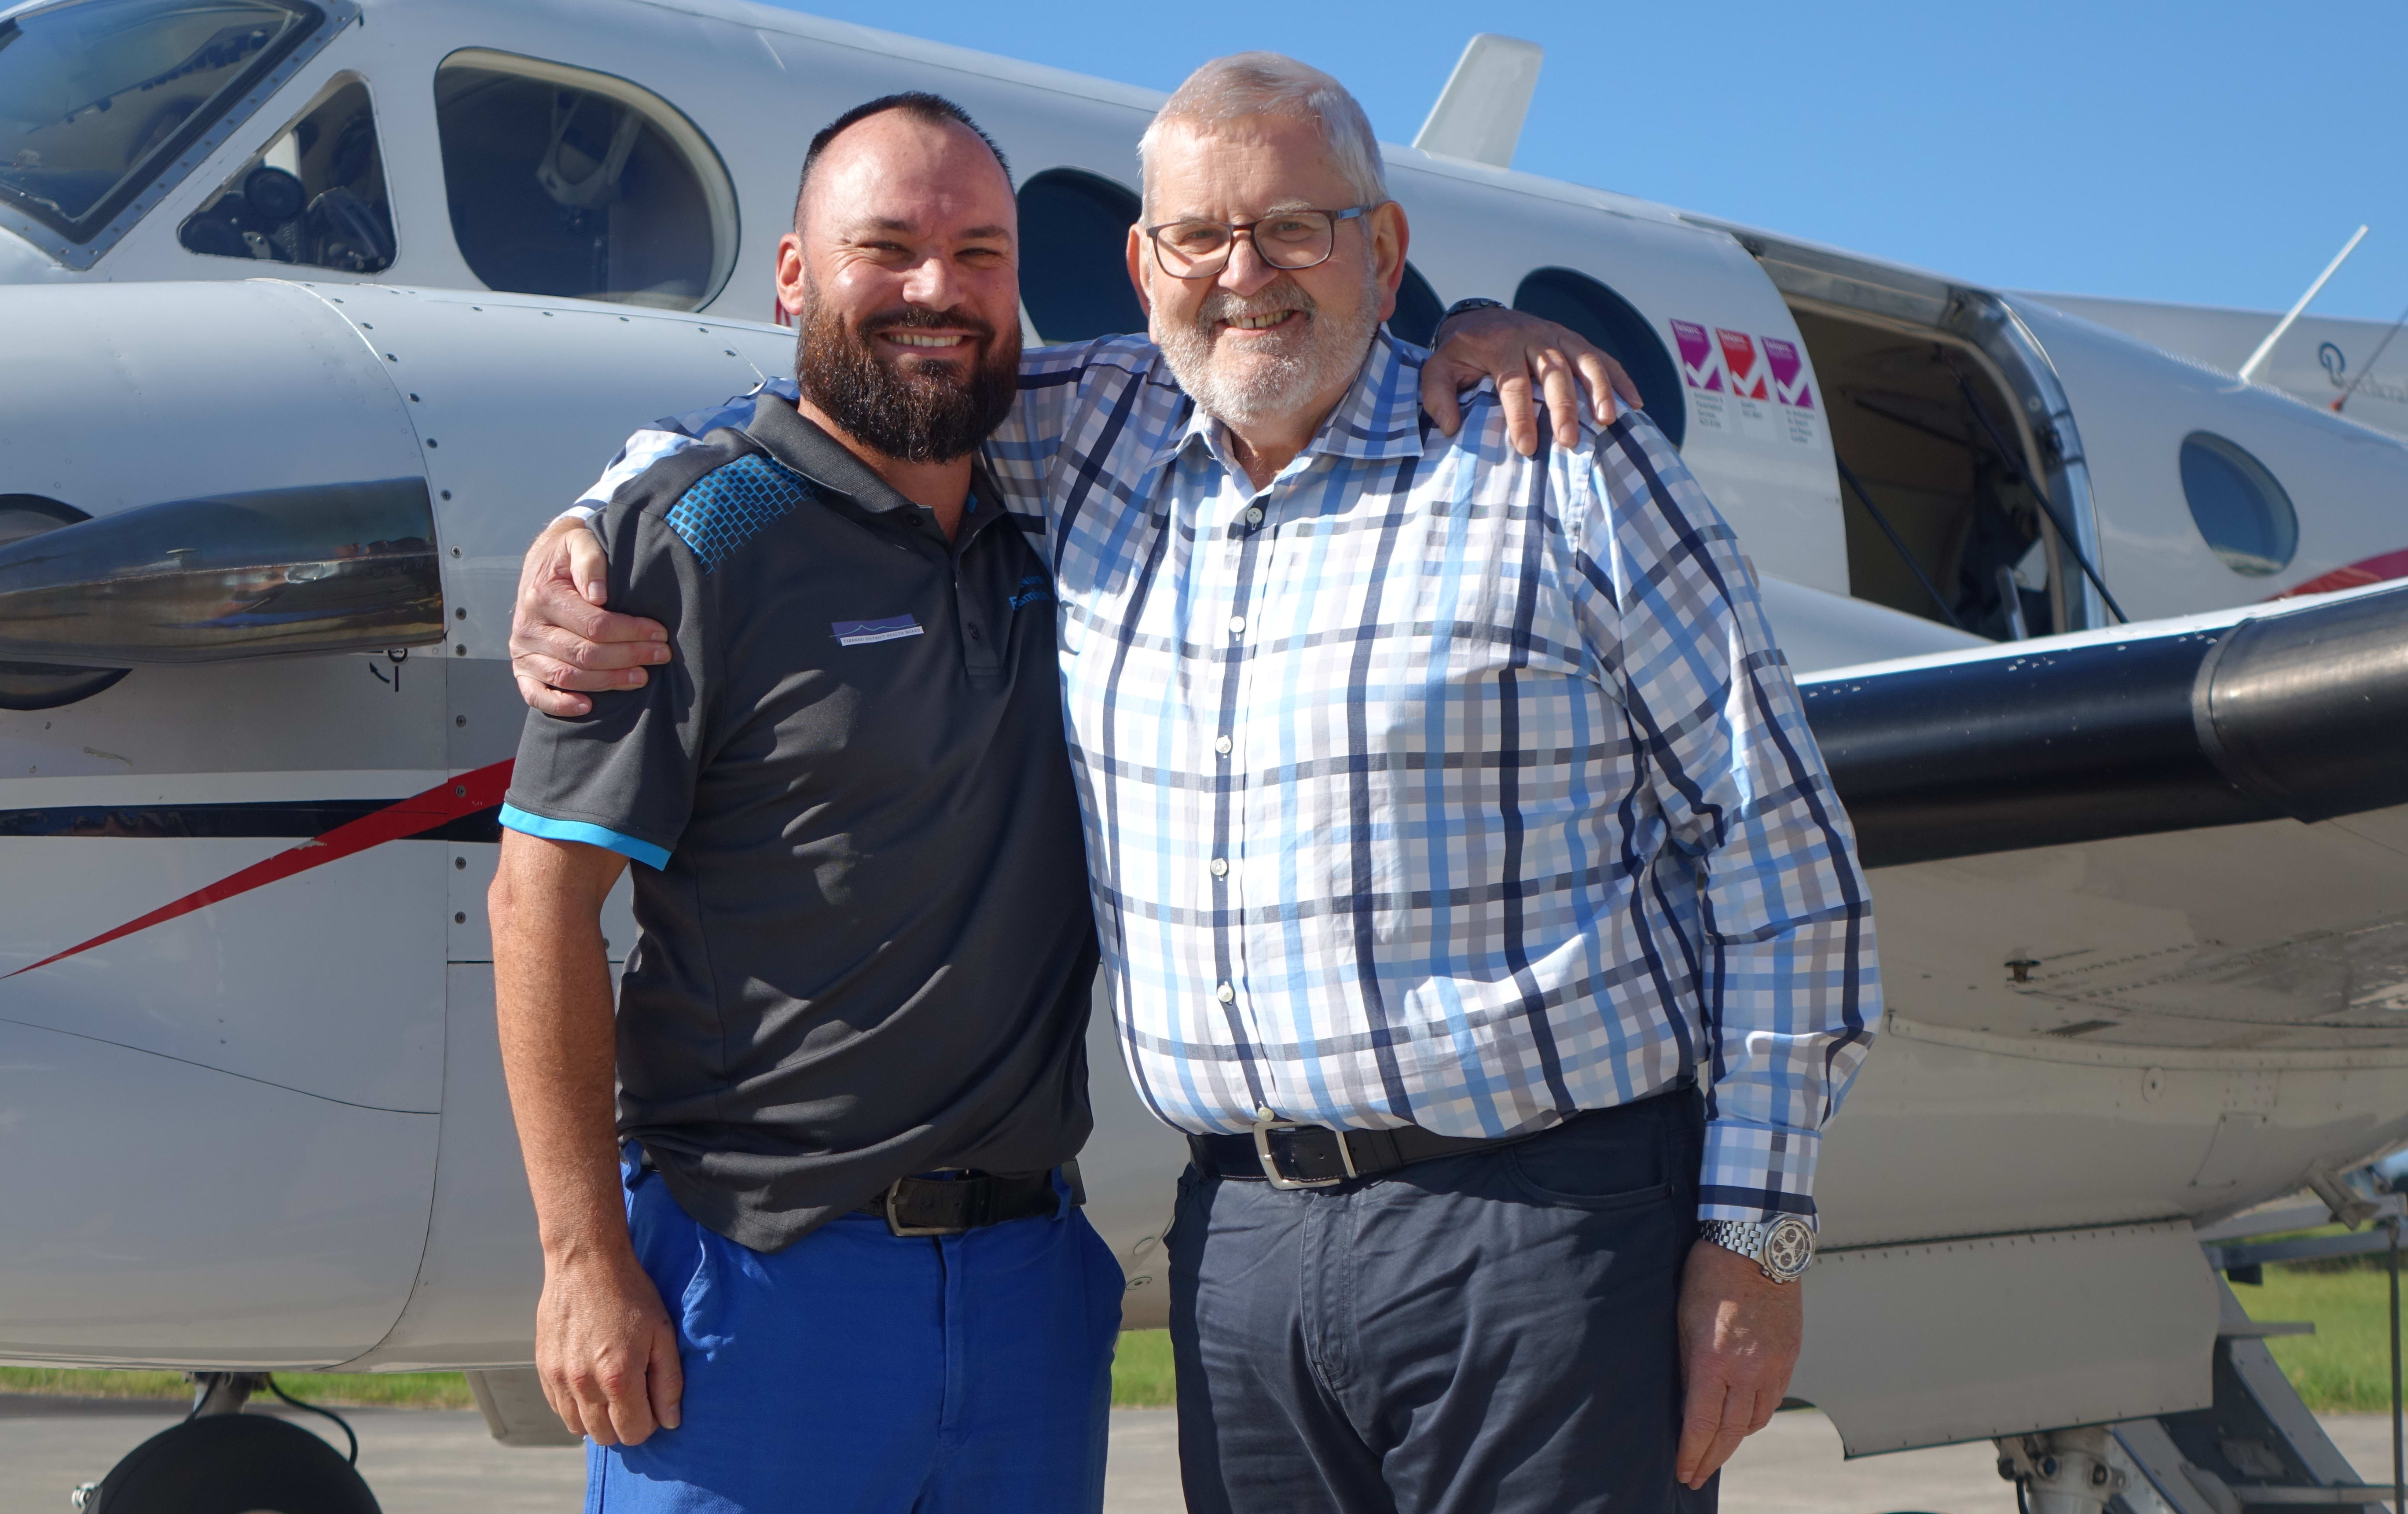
point(312, 311)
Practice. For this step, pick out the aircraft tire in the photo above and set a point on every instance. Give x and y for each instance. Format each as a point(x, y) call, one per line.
point(234, 1463)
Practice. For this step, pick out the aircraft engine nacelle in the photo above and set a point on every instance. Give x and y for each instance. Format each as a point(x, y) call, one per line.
point(335, 568)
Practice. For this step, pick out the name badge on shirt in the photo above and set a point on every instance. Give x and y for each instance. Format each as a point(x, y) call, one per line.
point(864, 632)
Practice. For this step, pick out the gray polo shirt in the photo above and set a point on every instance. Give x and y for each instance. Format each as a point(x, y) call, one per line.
point(866, 940)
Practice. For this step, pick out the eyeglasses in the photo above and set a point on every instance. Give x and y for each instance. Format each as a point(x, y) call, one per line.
point(1291, 239)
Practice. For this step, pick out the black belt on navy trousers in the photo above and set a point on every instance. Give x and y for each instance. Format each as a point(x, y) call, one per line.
point(1289, 1155)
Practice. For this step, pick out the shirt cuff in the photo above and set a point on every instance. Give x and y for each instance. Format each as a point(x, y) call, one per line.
point(1757, 1173)
point(514, 818)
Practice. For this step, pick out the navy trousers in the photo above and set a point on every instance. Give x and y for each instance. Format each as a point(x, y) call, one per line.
point(1485, 1333)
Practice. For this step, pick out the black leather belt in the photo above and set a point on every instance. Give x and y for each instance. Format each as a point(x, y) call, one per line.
point(951, 1205)
point(1289, 1156)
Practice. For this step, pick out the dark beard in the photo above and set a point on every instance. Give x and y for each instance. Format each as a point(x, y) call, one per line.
point(919, 411)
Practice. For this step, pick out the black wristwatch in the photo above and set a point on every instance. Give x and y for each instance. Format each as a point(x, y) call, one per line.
point(1477, 302)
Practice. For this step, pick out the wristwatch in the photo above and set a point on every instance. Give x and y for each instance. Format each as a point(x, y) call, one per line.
point(1785, 1248)
point(1465, 306)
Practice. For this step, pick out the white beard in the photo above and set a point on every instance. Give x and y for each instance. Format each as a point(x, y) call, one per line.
point(1273, 379)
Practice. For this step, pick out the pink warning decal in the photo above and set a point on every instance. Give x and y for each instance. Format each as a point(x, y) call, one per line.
point(1699, 365)
point(1790, 385)
point(1739, 360)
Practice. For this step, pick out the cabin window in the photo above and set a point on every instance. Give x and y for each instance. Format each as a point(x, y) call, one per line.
point(2241, 511)
point(1074, 256)
point(1605, 318)
point(1418, 311)
point(315, 195)
point(562, 182)
point(99, 98)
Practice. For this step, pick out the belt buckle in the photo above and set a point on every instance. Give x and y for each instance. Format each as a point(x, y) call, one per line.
point(895, 1227)
point(1264, 1128)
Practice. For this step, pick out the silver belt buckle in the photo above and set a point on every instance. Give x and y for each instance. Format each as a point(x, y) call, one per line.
point(1266, 1124)
point(896, 1226)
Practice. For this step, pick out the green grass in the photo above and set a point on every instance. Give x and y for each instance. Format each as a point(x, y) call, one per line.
point(1141, 1370)
point(1141, 1379)
point(408, 1390)
point(2346, 1365)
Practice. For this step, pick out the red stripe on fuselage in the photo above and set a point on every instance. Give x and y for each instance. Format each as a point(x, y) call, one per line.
point(2377, 570)
point(445, 802)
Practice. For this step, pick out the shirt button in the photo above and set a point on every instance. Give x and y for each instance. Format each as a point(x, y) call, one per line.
point(1222, 746)
point(1254, 516)
point(1237, 625)
point(1225, 994)
point(977, 635)
point(1220, 867)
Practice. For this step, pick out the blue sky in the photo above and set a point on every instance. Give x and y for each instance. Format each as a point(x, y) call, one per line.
point(2210, 152)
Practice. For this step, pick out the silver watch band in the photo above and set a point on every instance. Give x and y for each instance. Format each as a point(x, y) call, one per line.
point(1784, 1249)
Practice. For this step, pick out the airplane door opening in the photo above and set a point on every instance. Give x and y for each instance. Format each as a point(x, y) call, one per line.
point(1961, 477)
point(1906, 420)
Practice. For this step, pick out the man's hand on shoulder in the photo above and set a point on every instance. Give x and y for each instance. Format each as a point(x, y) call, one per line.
point(1515, 349)
point(1740, 1335)
point(562, 639)
point(605, 1349)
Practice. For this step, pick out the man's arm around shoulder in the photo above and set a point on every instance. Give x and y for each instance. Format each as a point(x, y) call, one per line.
point(605, 1349)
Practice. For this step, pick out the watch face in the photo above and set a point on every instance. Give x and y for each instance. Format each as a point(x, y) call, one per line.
point(1788, 1247)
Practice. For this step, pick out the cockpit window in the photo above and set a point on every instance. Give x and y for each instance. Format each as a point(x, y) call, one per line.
point(97, 98)
point(562, 182)
point(314, 196)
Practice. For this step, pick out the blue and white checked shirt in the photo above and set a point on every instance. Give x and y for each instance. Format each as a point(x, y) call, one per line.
point(1433, 785)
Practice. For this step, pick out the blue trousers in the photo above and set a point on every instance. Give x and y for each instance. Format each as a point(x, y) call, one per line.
point(860, 1373)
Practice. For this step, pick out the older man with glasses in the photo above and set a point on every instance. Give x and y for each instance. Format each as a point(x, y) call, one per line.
point(1469, 886)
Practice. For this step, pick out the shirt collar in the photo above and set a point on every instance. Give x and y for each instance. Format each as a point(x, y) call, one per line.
point(798, 442)
point(793, 439)
point(1378, 420)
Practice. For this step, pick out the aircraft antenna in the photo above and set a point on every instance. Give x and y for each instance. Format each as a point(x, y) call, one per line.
point(2266, 348)
point(1478, 114)
point(2371, 362)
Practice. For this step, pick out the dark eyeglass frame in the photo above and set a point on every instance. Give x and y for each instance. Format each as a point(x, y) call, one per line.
point(1246, 228)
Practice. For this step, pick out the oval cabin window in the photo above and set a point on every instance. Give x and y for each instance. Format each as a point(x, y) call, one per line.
point(2239, 507)
point(1605, 318)
point(562, 182)
point(1074, 256)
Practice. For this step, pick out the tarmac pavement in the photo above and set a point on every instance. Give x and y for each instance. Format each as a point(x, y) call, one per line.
point(426, 1461)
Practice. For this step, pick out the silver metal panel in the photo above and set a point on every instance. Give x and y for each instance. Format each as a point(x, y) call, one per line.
point(1131, 1166)
point(517, 403)
point(473, 1302)
point(1965, 1340)
point(162, 1213)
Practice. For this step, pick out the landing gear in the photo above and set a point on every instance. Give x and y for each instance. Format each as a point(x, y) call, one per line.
point(2063, 1472)
point(224, 1462)
point(2256, 1445)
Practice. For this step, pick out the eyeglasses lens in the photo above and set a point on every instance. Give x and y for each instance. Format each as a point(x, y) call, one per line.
point(1201, 249)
